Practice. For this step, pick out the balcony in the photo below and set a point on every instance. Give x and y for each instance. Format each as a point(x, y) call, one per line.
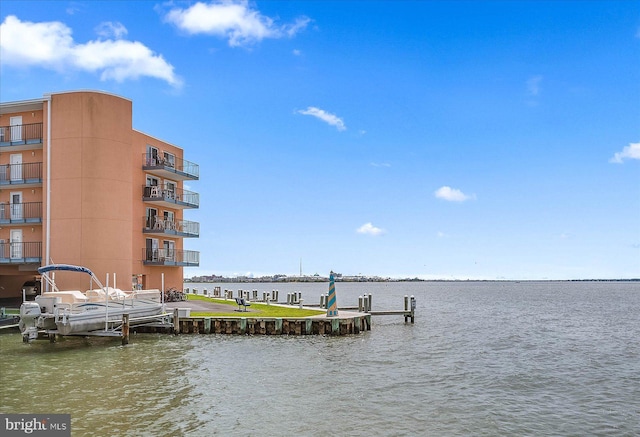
point(171, 167)
point(21, 253)
point(21, 213)
point(156, 225)
point(170, 198)
point(21, 175)
point(21, 137)
point(170, 257)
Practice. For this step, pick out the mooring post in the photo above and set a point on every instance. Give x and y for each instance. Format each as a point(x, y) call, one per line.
point(176, 321)
point(125, 329)
point(406, 308)
point(413, 308)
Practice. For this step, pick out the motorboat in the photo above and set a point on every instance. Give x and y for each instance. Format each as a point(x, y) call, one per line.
point(97, 310)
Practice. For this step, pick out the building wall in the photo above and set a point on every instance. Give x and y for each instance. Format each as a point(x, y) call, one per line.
point(173, 276)
point(91, 203)
point(97, 211)
point(11, 277)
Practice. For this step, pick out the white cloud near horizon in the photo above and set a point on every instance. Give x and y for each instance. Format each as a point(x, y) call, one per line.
point(369, 229)
point(452, 194)
point(50, 45)
point(325, 116)
point(235, 20)
point(632, 151)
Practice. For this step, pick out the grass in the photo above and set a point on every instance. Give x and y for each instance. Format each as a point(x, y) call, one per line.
point(257, 310)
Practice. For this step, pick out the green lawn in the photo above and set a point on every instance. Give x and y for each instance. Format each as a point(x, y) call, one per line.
point(256, 310)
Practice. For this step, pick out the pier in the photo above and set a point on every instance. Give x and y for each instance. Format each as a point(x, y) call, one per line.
point(350, 320)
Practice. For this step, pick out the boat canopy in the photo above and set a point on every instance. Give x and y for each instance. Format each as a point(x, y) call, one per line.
point(67, 267)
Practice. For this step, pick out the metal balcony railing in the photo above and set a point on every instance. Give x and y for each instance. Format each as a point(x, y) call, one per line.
point(175, 196)
point(171, 257)
point(15, 213)
point(180, 228)
point(26, 173)
point(21, 134)
point(171, 164)
point(20, 253)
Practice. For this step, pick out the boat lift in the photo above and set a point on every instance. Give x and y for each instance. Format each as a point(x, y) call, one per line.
point(112, 328)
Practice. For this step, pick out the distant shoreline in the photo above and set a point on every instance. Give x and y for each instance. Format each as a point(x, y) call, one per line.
point(208, 280)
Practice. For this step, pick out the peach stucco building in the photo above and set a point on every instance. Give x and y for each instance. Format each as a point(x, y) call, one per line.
point(79, 185)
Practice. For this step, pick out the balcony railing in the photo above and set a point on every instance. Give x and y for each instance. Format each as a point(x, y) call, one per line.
point(179, 228)
point(20, 213)
point(21, 134)
point(172, 197)
point(21, 174)
point(21, 253)
point(171, 257)
point(171, 167)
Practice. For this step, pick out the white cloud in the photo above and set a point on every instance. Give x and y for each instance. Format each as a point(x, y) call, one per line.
point(50, 45)
point(380, 164)
point(232, 19)
point(452, 194)
point(369, 229)
point(632, 151)
point(327, 117)
point(296, 52)
point(109, 29)
point(533, 85)
point(441, 234)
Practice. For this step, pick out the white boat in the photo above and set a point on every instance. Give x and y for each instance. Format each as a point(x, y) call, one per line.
point(97, 310)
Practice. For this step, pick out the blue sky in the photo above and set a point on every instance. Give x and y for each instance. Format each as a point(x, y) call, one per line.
point(438, 139)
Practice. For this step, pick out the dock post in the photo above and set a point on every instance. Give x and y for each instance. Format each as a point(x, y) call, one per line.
point(406, 308)
point(125, 329)
point(369, 303)
point(207, 325)
point(176, 321)
point(335, 326)
point(413, 308)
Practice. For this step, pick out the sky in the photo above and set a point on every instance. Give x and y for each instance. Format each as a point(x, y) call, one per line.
point(430, 139)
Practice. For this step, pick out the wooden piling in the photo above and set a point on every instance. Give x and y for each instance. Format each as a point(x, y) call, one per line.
point(125, 329)
point(176, 321)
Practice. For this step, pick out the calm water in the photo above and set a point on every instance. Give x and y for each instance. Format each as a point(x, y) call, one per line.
point(548, 358)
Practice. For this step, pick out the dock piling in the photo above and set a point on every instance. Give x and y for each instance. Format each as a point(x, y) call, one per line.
point(125, 329)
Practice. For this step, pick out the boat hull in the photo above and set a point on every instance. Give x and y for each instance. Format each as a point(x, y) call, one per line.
point(99, 319)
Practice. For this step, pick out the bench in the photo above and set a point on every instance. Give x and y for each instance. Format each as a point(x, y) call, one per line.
point(242, 303)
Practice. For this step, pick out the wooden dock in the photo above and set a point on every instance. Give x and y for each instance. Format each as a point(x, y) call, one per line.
point(346, 324)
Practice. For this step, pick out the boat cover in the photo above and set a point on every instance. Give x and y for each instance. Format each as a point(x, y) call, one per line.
point(67, 267)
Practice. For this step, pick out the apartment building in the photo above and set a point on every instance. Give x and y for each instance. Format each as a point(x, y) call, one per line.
point(79, 185)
